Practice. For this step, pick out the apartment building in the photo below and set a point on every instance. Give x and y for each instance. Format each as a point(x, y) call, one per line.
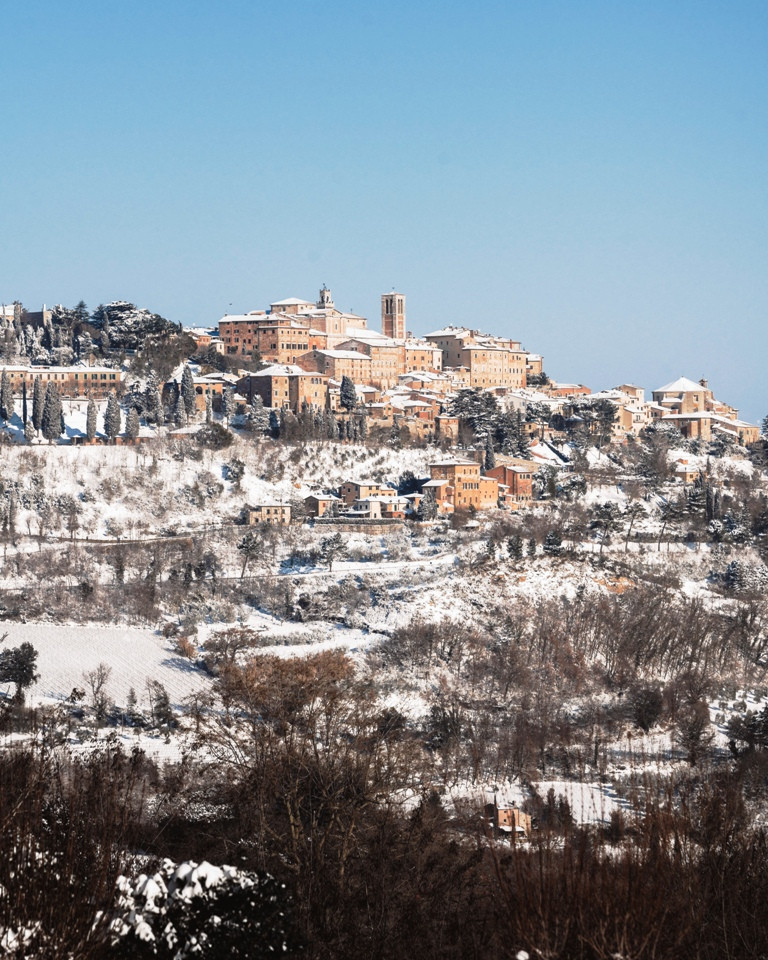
point(490, 361)
point(338, 363)
point(91, 382)
point(460, 485)
point(285, 385)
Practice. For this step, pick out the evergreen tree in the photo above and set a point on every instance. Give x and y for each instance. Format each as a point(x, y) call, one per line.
point(208, 408)
point(6, 397)
point(188, 390)
point(162, 712)
point(532, 547)
point(29, 431)
point(80, 313)
point(90, 420)
point(112, 417)
point(38, 402)
point(274, 424)
point(490, 456)
point(24, 412)
point(152, 403)
point(515, 546)
point(132, 708)
point(553, 543)
point(332, 548)
point(428, 505)
point(52, 413)
point(17, 665)
point(259, 416)
point(229, 403)
point(478, 408)
point(180, 412)
point(132, 424)
point(347, 394)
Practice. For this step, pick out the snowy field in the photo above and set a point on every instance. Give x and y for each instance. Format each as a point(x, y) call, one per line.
point(66, 652)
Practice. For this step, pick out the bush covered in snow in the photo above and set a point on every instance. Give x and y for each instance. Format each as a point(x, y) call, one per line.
point(199, 910)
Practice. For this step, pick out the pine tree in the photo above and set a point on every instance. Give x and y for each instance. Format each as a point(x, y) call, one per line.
point(17, 665)
point(29, 431)
point(90, 421)
point(38, 402)
point(428, 505)
point(188, 390)
point(531, 547)
point(52, 413)
point(6, 397)
point(80, 313)
point(515, 546)
point(162, 712)
point(132, 424)
point(132, 708)
point(112, 418)
point(347, 394)
point(274, 424)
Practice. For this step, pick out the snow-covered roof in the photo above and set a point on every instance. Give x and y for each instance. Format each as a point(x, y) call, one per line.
point(462, 332)
point(363, 333)
point(292, 302)
point(371, 483)
point(345, 354)
point(238, 318)
point(681, 385)
point(282, 370)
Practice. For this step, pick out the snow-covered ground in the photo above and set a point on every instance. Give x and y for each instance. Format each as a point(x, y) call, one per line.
point(134, 656)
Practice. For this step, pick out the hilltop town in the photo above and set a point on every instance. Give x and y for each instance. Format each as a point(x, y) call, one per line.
point(394, 621)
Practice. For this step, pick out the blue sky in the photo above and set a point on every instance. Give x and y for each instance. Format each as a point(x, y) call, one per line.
point(588, 177)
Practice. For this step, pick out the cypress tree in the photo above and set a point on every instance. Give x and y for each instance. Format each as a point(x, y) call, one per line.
point(180, 412)
point(490, 456)
point(6, 397)
point(90, 420)
point(132, 424)
point(52, 413)
point(112, 416)
point(38, 402)
point(229, 404)
point(24, 412)
point(188, 391)
point(152, 404)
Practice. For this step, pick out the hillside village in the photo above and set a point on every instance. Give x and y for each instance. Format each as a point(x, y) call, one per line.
point(418, 637)
point(313, 370)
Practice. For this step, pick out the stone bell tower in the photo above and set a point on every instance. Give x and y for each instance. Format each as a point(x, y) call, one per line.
point(325, 301)
point(393, 315)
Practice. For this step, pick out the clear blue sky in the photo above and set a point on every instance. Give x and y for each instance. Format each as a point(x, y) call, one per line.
point(588, 177)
